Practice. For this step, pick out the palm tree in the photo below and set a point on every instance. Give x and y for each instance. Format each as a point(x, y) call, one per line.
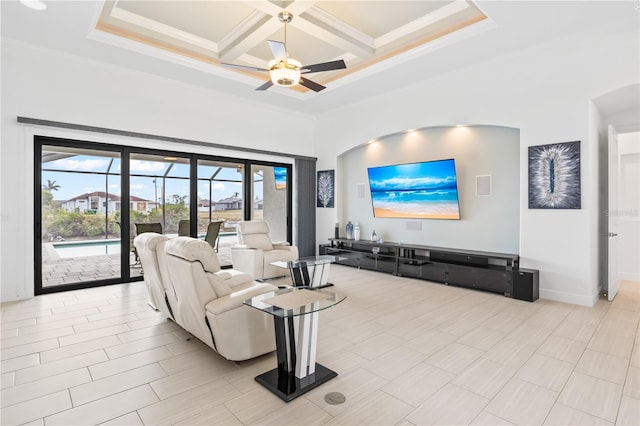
point(51, 186)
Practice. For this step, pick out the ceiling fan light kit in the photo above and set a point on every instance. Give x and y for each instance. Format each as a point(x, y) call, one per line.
point(285, 71)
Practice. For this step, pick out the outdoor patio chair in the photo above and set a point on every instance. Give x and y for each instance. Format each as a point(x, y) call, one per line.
point(141, 228)
point(213, 231)
point(184, 228)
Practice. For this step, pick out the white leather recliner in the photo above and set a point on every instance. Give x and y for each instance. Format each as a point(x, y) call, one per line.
point(255, 251)
point(209, 301)
point(147, 245)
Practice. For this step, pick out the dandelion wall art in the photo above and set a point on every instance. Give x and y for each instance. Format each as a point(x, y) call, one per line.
point(554, 176)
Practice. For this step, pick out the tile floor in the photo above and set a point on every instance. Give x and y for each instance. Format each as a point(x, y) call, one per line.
point(407, 352)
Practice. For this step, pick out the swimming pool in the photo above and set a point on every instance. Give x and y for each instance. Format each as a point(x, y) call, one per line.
point(68, 250)
point(71, 249)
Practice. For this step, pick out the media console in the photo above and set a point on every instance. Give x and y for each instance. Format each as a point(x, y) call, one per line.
point(495, 272)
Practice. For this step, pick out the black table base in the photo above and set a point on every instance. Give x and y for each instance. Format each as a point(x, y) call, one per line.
point(301, 278)
point(288, 387)
point(282, 380)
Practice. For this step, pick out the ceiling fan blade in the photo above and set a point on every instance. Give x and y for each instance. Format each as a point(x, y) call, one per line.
point(243, 67)
point(278, 49)
point(265, 86)
point(311, 84)
point(324, 66)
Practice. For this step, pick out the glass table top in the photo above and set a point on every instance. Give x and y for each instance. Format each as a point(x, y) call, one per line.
point(295, 301)
point(308, 261)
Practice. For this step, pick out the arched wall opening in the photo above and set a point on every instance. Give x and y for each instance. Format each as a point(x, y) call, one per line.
point(483, 154)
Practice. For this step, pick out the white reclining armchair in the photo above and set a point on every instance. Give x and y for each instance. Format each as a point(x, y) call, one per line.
point(209, 301)
point(255, 251)
point(147, 244)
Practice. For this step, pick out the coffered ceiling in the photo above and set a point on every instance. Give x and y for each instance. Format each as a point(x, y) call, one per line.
point(362, 33)
point(387, 45)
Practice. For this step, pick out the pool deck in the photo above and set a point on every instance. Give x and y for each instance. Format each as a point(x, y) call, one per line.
point(57, 271)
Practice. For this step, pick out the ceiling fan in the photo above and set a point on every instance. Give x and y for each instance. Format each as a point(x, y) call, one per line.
point(286, 71)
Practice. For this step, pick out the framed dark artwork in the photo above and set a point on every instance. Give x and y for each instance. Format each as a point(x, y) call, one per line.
point(554, 176)
point(326, 188)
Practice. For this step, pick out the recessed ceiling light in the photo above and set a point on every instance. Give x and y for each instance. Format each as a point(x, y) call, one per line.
point(171, 158)
point(34, 4)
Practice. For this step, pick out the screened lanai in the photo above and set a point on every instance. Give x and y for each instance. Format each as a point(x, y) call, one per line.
point(85, 235)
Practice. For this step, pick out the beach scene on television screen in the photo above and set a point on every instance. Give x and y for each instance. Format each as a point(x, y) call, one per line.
point(426, 190)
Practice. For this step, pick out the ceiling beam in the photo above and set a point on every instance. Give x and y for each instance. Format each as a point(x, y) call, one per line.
point(257, 27)
point(326, 27)
point(162, 30)
point(246, 35)
point(295, 7)
point(421, 23)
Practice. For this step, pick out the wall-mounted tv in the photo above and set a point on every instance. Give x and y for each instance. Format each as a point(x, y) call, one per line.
point(425, 190)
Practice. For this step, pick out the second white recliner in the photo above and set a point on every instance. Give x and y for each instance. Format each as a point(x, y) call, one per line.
point(256, 251)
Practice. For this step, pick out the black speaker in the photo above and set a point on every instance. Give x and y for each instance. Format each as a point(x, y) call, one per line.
point(526, 284)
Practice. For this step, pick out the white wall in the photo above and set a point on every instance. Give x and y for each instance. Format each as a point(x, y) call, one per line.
point(487, 223)
point(48, 85)
point(543, 91)
point(629, 203)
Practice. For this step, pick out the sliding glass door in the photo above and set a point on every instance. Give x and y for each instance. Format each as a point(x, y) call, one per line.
point(220, 199)
point(78, 217)
point(159, 194)
point(92, 199)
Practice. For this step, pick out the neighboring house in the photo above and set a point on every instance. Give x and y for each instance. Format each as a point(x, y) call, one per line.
point(203, 205)
point(101, 202)
point(231, 203)
point(141, 205)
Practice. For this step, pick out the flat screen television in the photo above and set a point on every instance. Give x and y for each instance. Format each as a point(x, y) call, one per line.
point(425, 190)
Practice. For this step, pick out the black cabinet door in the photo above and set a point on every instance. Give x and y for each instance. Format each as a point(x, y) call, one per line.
point(408, 268)
point(386, 264)
point(434, 272)
point(461, 275)
point(367, 261)
point(494, 280)
point(350, 258)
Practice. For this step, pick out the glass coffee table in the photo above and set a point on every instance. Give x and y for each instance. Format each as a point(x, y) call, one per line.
point(310, 271)
point(295, 315)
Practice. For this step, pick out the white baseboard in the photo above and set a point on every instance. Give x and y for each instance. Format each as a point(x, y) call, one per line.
point(575, 299)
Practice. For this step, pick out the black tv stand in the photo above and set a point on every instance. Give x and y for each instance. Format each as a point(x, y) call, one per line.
point(467, 268)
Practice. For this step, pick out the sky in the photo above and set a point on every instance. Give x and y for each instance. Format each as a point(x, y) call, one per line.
point(148, 187)
point(424, 175)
